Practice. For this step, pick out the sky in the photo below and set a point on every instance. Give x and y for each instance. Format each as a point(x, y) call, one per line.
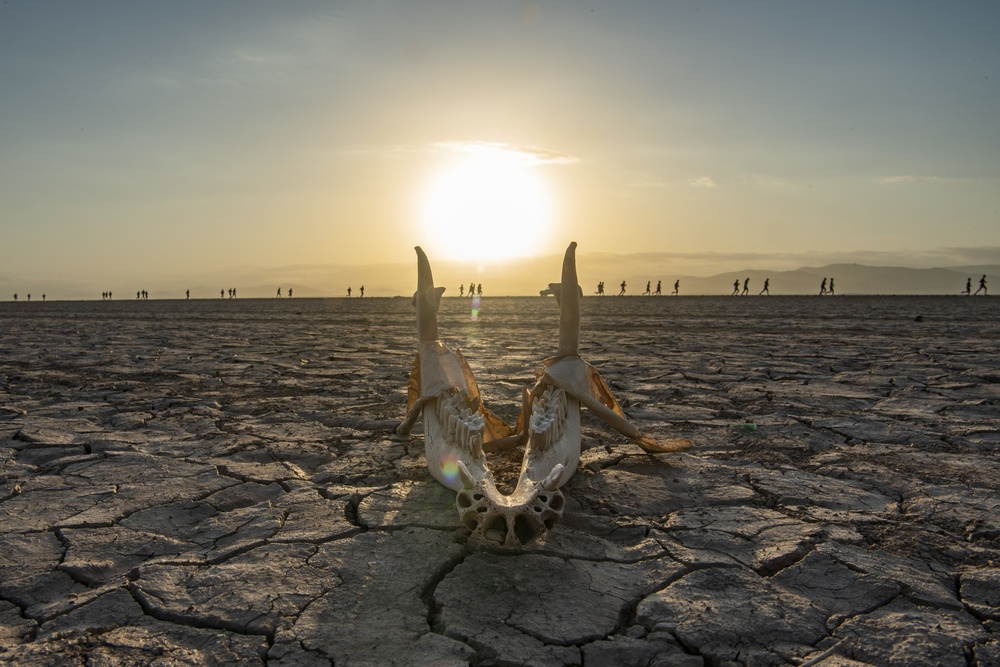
point(314, 143)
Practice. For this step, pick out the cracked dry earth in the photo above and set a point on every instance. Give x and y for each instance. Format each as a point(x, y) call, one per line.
point(217, 483)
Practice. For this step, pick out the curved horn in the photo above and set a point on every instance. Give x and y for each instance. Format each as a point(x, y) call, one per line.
point(569, 305)
point(425, 279)
point(427, 299)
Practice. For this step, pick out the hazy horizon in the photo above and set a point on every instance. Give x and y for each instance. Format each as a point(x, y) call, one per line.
point(162, 146)
point(518, 278)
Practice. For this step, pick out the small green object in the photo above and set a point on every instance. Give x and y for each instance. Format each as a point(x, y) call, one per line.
point(749, 426)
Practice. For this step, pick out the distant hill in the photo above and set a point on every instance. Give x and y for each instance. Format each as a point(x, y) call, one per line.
point(848, 279)
point(518, 278)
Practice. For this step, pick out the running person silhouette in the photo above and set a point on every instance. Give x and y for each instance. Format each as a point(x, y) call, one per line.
point(982, 286)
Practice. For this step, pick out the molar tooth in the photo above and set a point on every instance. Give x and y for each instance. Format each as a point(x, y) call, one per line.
point(537, 423)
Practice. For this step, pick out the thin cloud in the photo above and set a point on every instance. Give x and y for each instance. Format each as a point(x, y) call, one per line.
point(697, 182)
point(969, 255)
point(911, 178)
point(657, 185)
point(703, 182)
point(530, 154)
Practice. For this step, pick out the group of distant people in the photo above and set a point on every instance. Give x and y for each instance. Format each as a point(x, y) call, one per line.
point(649, 288)
point(826, 287)
point(746, 287)
point(982, 287)
point(474, 289)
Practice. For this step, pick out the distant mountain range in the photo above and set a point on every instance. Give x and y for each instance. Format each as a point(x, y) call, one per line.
point(521, 278)
point(848, 279)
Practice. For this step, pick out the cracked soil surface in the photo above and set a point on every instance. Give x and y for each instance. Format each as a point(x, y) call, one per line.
point(218, 483)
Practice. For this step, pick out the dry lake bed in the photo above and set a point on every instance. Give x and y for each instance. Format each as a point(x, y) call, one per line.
point(218, 483)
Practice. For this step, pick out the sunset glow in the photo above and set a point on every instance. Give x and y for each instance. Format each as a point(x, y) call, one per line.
point(204, 146)
point(486, 205)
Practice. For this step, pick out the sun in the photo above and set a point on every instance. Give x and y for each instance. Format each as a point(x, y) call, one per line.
point(487, 205)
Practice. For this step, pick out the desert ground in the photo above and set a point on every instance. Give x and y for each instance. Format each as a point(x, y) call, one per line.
point(218, 482)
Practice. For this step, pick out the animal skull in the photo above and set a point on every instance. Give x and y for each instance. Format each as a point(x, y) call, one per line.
point(457, 425)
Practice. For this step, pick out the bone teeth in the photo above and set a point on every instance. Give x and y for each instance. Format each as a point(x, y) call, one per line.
point(463, 426)
point(547, 414)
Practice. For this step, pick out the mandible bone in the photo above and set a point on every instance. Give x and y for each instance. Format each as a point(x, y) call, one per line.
point(457, 425)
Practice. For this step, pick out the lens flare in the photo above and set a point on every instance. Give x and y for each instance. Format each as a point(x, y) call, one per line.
point(475, 307)
point(449, 468)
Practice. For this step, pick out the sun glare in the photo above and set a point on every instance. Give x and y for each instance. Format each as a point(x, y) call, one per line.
point(487, 205)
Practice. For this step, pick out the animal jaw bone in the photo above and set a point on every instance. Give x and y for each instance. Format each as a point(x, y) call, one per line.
point(550, 459)
point(526, 514)
point(578, 378)
point(457, 426)
point(550, 413)
point(443, 389)
point(550, 417)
